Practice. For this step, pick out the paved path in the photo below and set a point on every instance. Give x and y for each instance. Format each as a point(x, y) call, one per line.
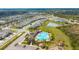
point(56, 48)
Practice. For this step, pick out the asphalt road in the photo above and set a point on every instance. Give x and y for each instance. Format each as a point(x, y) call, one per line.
point(18, 47)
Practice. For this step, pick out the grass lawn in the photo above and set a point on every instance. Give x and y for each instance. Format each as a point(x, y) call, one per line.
point(58, 35)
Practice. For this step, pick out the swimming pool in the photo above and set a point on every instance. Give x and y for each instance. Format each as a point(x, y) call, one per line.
point(42, 36)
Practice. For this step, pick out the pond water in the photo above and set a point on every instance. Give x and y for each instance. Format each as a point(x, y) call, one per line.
point(52, 25)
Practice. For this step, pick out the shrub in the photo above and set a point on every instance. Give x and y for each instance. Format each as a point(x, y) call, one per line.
point(25, 42)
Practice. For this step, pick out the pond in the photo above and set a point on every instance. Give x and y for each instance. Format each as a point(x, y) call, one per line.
point(53, 25)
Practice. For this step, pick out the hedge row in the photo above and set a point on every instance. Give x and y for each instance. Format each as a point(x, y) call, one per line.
point(10, 41)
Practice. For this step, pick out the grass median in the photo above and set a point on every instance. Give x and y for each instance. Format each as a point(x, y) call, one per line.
point(2, 47)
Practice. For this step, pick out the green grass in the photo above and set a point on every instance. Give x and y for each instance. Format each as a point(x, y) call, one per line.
point(74, 37)
point(58, 35)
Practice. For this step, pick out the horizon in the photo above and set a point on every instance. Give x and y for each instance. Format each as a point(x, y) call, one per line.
point(2, 9)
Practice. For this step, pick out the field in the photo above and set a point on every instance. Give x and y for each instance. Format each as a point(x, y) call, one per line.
point(57, 35)
point(73, 32)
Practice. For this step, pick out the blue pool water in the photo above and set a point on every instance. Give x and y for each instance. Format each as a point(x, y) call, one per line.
point(42, 36)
